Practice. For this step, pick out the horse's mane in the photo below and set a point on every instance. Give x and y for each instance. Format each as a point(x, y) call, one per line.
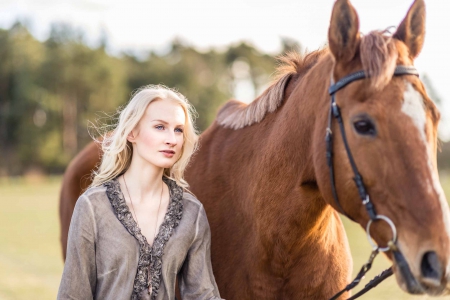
point(378, 57)
point(236, 114)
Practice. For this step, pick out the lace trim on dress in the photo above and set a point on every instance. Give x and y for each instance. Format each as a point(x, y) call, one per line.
point(150, 257)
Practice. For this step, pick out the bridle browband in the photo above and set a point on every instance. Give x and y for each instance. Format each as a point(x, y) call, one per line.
point(362, 191)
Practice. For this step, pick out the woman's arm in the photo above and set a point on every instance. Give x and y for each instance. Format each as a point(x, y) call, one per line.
point(196, 276)
point(79, 276)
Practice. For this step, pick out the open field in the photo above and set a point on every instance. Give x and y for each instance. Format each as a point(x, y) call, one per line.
point(30, 258)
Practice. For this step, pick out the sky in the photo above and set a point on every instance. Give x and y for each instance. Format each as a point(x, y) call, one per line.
point(139, 25)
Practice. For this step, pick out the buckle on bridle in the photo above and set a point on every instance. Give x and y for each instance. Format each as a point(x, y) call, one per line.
point(367, 200)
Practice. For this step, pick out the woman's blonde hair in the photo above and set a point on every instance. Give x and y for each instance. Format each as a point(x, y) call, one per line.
point(117, 150)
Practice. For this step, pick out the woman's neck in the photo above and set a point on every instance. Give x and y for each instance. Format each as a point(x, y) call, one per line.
point(143, 180)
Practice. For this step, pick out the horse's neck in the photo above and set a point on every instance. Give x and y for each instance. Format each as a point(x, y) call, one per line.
point(302, 115)
point(298, 228)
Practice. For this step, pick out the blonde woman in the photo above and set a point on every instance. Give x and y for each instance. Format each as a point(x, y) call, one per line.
point(136, 229)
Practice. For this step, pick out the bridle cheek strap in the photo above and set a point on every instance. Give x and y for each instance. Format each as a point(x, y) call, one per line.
point(336, 113)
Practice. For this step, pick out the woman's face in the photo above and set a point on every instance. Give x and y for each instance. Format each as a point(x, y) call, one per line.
point(158, 138)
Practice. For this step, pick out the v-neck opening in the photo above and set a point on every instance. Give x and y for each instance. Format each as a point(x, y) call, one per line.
point(150, 257)
point(164, 219)
point(139, 229)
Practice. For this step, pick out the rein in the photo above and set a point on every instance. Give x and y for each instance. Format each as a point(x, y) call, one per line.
point(362, 191)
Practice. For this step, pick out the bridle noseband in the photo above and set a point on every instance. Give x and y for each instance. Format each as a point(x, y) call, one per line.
point(362, 191)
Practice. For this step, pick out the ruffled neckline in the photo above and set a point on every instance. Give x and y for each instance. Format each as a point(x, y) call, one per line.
point(150, 257)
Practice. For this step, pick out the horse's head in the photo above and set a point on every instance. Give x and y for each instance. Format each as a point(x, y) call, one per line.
point(391, 126)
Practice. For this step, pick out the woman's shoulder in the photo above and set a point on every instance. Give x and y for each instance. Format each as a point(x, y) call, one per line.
point(178, 192)
point(96, 200)
point(190, 199)
point(95, 196)
point(193, 206)
point(94, 192)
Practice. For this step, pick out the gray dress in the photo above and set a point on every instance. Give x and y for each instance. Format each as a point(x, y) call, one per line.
point(109, 258)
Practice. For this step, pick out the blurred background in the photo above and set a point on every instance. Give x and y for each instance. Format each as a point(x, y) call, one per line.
point(64, 64)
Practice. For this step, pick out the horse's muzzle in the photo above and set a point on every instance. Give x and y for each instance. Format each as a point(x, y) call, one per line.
point(412, 286)
point(430, 281)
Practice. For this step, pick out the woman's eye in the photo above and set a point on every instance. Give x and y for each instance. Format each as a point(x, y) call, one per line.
point(365, 127)
point(159, 127)
point(178, 130)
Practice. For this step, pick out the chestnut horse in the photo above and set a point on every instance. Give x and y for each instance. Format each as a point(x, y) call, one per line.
point(262, 175)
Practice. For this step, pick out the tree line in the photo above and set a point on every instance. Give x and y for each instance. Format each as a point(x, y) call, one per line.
point(49, 90)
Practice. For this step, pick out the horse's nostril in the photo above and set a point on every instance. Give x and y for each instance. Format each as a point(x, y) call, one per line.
point(430, 267)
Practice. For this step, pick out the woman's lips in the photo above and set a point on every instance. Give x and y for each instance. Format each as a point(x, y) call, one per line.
point(168, 153)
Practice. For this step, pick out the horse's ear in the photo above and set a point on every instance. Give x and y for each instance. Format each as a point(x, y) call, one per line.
point(411, 30)
point(343, 34)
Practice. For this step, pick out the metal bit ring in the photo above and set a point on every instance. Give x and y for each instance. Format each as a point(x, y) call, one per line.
point(394, 233)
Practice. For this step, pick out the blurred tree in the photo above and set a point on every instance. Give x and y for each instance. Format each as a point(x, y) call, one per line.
point(49, 91)
point(243, 57)
point(290, 44)
point(433, 94)
point(431, 89)
point(196, 75)
point(443, 157)
point(79, 81)
point(21, 55)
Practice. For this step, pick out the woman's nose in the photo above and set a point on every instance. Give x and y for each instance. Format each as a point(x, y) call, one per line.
point(171, 139)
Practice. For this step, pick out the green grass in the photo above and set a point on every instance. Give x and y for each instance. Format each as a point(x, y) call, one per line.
point(30, 257)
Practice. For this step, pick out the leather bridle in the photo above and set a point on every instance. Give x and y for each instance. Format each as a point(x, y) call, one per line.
point(362, 191)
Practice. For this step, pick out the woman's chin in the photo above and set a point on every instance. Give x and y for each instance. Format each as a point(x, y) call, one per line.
point(166, 165)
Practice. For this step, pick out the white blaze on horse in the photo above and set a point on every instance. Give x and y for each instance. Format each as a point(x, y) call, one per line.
point(262, 171)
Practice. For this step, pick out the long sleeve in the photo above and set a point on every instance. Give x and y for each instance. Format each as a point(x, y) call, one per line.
point(196, 276)
point(79, 276)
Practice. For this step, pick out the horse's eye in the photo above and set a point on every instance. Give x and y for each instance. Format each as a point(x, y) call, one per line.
point(365, 127)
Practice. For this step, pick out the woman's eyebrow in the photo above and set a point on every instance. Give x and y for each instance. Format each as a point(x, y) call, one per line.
point(162, 121)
